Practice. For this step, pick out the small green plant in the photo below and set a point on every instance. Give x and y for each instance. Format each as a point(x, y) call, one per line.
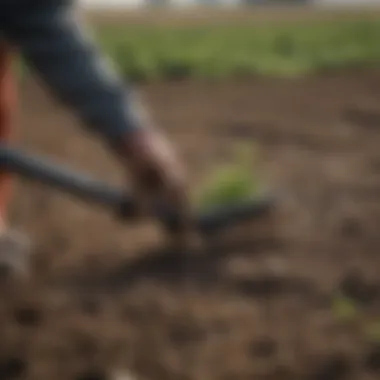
point(344, 308)
point(372, 332)
point(231, 183)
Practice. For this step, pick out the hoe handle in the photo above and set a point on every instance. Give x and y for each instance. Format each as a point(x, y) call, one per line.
point(82, 186)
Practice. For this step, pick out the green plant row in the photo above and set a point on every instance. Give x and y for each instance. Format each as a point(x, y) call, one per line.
point(145, 53)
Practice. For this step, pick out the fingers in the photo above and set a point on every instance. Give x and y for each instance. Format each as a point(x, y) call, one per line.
point(162, 180)
point(158, 178)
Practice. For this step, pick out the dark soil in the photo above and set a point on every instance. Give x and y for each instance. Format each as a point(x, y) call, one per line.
point(255, 305)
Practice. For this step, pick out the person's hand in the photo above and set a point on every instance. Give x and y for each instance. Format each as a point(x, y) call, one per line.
point(157, 175)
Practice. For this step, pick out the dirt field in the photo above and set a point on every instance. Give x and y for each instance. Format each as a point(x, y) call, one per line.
point(102, 297)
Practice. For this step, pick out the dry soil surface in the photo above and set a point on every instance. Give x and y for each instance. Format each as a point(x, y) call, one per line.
point(104, 295)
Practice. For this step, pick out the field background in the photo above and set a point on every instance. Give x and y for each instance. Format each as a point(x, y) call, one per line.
point(298, 300)
point(218, 45)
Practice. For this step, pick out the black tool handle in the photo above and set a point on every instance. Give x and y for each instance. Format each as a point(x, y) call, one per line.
point(82, 186)
point(52, 174)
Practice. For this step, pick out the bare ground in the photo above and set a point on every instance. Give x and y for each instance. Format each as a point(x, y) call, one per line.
point(103, 295)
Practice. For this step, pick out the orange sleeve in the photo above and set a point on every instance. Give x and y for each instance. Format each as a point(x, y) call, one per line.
point(8, 103)
point(7, 93)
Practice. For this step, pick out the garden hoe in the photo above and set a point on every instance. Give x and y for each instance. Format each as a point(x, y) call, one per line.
point(82, 186)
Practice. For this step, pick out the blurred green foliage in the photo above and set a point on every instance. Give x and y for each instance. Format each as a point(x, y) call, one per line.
point(145, 53)
point(344, 308)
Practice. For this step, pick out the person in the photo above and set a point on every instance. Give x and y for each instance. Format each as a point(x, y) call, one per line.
point(58, 48)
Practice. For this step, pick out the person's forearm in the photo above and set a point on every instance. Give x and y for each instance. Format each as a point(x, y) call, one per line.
point(58, 50)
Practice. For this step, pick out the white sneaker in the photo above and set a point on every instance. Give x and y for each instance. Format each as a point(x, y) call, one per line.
point(15, 249)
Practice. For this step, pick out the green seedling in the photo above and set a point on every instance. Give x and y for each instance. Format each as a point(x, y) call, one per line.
point(344, 308)
point(231, 183)
point(372, 332)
